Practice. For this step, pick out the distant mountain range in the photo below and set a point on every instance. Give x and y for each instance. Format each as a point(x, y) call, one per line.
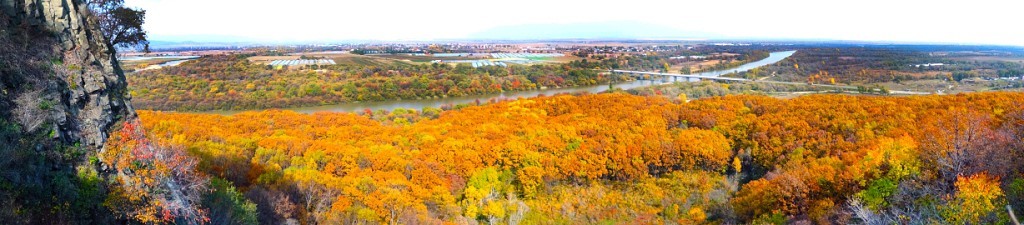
point(591, 30)
point(611, 30)
point(157, 44)
point(198, 41)
point(615, 30)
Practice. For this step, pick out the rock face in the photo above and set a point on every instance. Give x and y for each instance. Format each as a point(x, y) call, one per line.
point(57, 73)
point(61, 94)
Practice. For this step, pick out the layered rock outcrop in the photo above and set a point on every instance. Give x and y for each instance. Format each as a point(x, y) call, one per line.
point(57, 73)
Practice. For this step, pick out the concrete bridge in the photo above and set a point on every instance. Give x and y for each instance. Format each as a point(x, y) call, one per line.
point(674, 76)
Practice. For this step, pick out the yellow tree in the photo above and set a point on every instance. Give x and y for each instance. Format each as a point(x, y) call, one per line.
point(977, 196)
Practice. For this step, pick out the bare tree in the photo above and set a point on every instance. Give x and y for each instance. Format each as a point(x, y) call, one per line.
point(164, 176)
point(954, 144)
point(518, 210)
point(866, 215)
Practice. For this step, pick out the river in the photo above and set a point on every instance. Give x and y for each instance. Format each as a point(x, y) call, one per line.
point(178, 60)
point(423, 103)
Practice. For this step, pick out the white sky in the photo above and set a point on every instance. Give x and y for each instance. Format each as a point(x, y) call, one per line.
point(967, 21)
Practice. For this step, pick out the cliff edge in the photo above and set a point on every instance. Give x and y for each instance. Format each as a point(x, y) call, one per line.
point(58, 73)
point(61, 94)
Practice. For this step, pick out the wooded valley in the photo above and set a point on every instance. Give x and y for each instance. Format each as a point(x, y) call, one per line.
point(619, 158)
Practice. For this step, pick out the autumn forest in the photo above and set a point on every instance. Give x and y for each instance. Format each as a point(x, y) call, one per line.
point(615, 158)
point(319, 112)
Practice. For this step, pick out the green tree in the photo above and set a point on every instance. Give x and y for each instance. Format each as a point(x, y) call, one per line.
point(227, 205)
point(121, 26)
point(685, 70)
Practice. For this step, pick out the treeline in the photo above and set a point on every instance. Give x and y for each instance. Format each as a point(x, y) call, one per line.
point(740, 60)
point(618, 158)
point(663, 60)
point(233, 83)
point(706, 89)
point(848, 64)
point(855, 64)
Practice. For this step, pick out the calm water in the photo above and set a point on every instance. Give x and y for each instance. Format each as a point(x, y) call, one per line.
point(423, 103)
point(136, 58)
point(181, 59)
point(174, 63)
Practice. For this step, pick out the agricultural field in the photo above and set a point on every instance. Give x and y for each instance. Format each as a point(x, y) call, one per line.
point(359, 60)
point(342, 58)
point(423, 58)
point(1013, 59)
point(268, 59)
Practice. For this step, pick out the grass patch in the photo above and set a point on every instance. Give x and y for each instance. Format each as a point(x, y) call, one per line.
point(46, 105)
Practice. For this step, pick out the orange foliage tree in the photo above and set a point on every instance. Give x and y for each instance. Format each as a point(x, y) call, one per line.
point(611, 158)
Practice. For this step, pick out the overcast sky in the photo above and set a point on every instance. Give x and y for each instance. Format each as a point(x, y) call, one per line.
point(967, 22)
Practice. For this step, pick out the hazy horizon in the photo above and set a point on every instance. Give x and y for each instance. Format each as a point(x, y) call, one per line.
point(305, 21)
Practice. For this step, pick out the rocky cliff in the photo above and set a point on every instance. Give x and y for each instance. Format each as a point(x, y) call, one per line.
point(57, 72)
point(61, 94)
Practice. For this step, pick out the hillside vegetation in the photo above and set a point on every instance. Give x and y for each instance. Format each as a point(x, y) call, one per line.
point(877, 64)
point(618, 158)
point(233, 83)
point(62, 95)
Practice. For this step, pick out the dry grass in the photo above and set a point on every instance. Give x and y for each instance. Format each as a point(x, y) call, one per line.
point(564, 59)
point(328, 54)
point(425, 59)
point(353, 59)
point(925, 74)
point(694, 65)
point(934, 85)
point(267, 59)
point(992, 59)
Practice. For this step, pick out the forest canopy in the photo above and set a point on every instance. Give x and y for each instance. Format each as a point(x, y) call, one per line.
point(610, 158)
point(231, 82)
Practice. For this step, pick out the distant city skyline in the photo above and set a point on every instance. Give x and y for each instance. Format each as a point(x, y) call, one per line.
point(953, 22)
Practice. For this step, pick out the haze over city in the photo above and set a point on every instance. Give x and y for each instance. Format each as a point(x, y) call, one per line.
point(980, 22)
